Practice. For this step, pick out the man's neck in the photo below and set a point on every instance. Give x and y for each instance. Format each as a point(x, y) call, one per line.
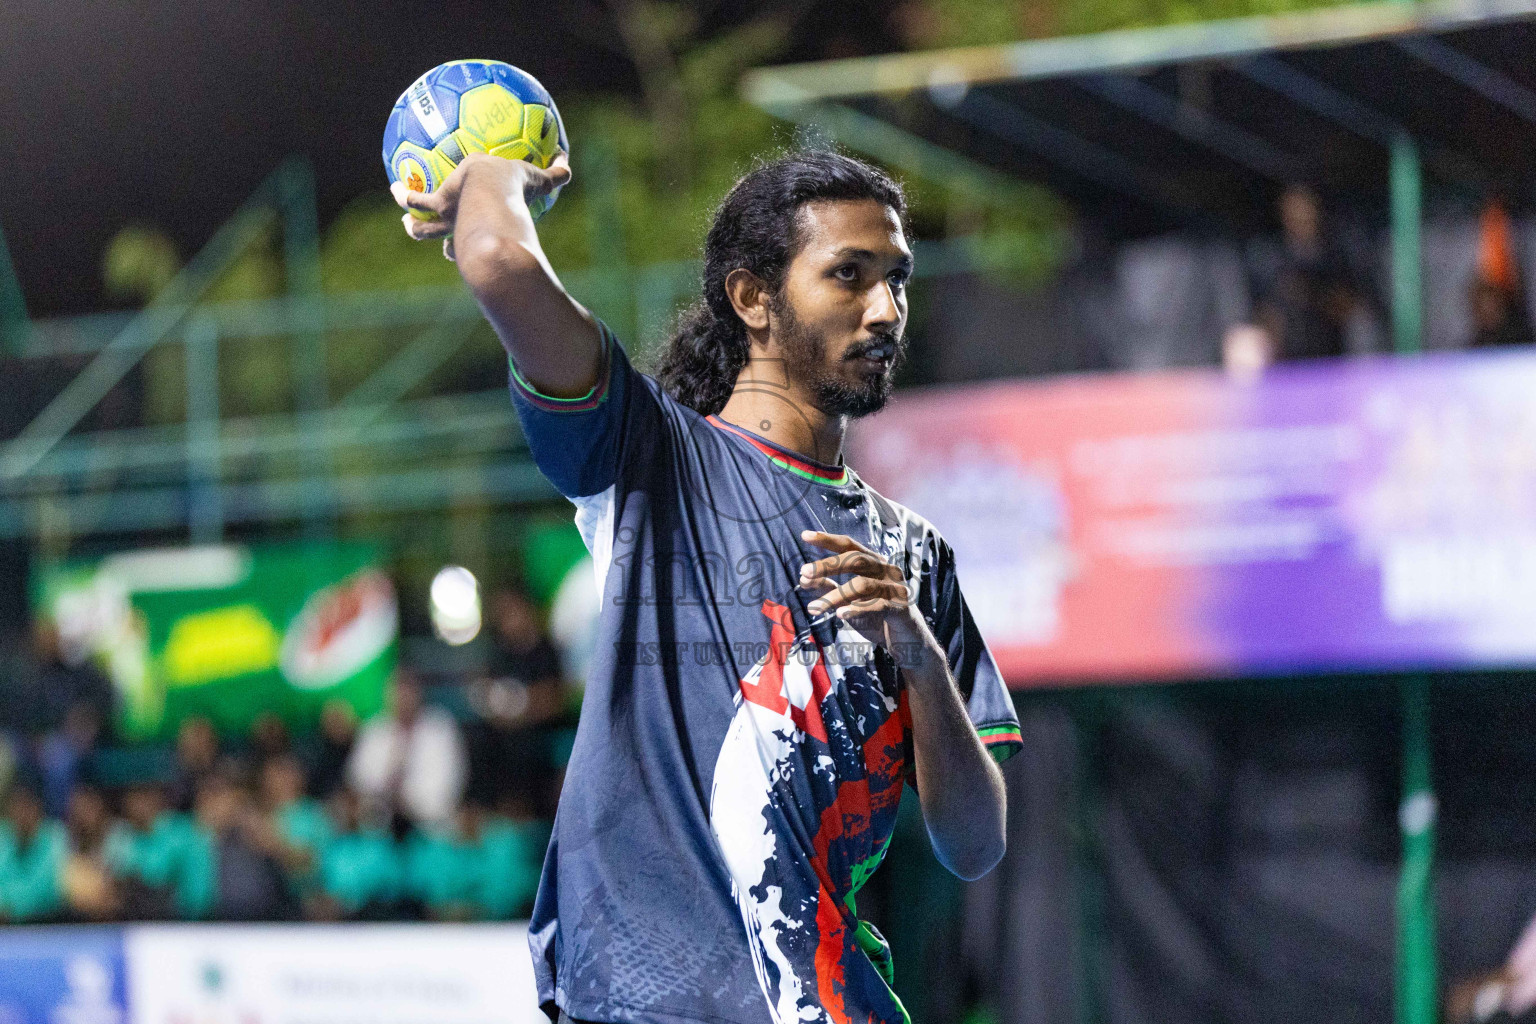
point(766, 403)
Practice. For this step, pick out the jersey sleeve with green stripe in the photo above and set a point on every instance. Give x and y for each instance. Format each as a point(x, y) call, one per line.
point(578, 443)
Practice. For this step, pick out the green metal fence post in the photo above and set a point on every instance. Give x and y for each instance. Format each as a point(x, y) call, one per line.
point(1407, 187)
point(301, 268)
point(205, 502)
point(1417, 974)
point(1417, 983)
point(1087, 711)
point(13, 305)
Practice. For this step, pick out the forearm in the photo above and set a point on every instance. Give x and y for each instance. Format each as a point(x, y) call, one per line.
point(964, 804)
point(550, 337)
point(960, 787)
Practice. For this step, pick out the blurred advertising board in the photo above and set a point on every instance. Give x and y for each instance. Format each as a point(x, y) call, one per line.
point(62, 976)
point(228, 631)
point(331, 974)
point(1361, 515)
point(268, 974)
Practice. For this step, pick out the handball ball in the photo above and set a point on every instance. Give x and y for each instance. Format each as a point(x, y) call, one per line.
point(471, 106)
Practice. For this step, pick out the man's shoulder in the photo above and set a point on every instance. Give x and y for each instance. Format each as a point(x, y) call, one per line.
point(670, 407)
point(647, 398)
point(619, 356)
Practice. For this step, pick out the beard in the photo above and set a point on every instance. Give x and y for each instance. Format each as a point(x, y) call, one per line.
point(805, 360)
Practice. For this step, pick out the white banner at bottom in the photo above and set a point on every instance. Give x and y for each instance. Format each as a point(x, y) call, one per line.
point(318, 974)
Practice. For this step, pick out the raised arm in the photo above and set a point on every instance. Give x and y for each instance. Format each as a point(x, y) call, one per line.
point(482, 214)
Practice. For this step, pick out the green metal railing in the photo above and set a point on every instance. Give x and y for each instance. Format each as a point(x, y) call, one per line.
point(391, 442)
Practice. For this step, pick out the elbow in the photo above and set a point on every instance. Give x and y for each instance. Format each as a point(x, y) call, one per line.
point(970, 853)
point(487, 259)
point(977, 861)
point(971, 839)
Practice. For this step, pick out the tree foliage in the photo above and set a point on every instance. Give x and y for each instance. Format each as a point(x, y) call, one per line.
point(139, 262)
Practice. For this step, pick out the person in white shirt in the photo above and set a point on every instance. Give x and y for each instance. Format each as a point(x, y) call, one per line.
point(409, 762)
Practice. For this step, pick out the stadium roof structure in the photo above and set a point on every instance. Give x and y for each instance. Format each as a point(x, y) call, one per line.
point(1200, 122)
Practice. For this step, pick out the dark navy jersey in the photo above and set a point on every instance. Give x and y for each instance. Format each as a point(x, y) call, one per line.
point(737, 767)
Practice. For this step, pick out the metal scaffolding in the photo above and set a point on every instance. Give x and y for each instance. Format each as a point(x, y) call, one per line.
point(398, 441)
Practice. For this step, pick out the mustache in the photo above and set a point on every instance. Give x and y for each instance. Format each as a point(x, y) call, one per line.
point(893, 341)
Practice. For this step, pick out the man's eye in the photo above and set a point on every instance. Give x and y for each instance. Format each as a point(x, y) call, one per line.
point(847, 272)
point(898, 278)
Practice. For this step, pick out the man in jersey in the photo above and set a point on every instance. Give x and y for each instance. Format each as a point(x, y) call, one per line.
point(781, 648)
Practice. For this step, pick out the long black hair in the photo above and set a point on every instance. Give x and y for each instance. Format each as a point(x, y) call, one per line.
point(756, 229)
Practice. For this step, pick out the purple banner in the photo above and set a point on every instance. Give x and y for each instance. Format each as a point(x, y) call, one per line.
point(1350, 515)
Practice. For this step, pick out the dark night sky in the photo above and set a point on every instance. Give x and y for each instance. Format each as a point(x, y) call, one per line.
point(172, 112)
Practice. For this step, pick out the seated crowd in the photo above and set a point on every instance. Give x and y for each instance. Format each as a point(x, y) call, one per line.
point(416, 814)
point(258, 849)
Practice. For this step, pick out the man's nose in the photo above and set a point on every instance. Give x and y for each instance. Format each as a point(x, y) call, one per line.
point(883, 309)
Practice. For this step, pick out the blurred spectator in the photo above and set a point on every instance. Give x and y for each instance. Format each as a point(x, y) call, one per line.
point(486, 866)
point(301, 830)
point(409, 763)
point(63, 752)
point(33, 850)
point(1310, 299)
point(445, 869)
point(1497, 289)
point(512, 856)
point(269, 739)
point(360, 878)
point(90, 891)
point(269, 852)
point(517, 706)
point(521, 650)
point(197, 752)
point(155, 855)
point(338, 731)
point(1498, 317)
point(65, 704)
point(242, 855)
point(46, 685)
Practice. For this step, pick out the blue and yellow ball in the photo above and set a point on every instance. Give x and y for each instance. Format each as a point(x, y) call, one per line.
point(471, 106)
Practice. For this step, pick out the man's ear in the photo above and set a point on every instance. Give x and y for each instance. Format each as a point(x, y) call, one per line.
point(749, 297)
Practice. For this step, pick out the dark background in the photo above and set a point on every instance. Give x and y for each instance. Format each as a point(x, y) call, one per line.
point(170, 112)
